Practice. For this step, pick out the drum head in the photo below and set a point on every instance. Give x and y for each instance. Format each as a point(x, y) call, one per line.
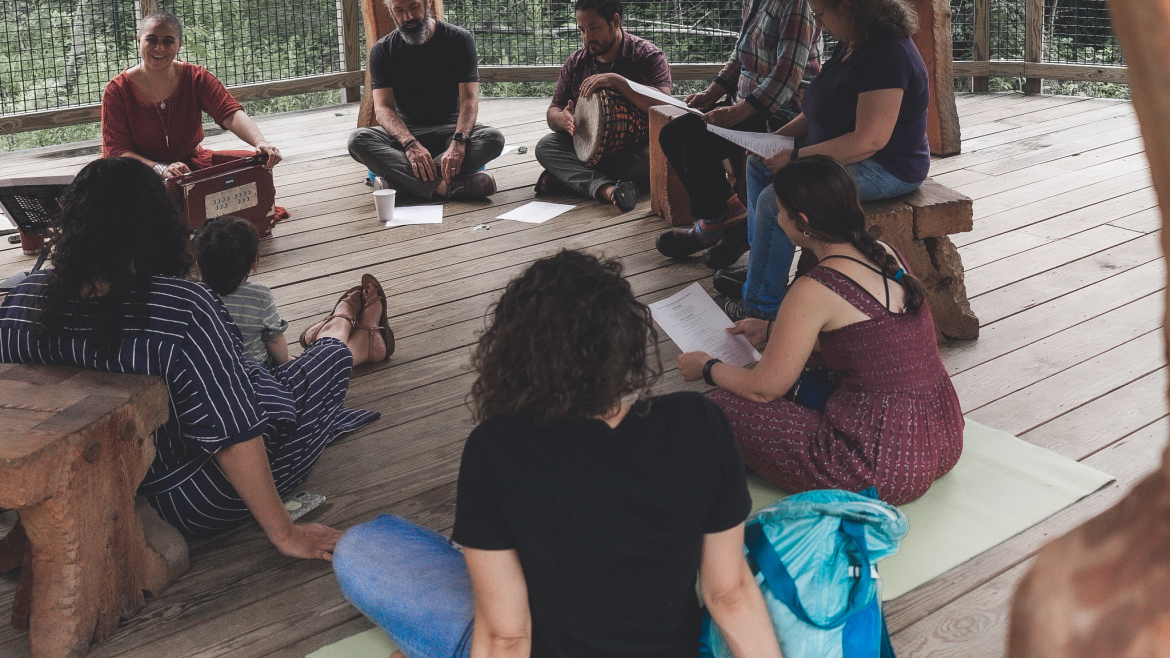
point(587, 126)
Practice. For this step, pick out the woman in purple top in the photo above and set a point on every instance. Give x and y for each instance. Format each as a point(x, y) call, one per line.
point(867, 109)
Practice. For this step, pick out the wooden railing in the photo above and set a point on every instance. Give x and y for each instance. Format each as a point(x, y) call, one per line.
point(1033, 69)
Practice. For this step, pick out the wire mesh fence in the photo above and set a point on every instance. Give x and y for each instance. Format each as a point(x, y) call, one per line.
point(61, 53)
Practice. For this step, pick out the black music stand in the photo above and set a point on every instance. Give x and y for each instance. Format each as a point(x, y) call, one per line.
point(31, 203)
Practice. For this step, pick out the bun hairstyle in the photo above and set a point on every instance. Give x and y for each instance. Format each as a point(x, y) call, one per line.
point(821, 189)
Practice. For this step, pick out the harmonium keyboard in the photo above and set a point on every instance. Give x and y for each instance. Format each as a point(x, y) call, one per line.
point(242, 188)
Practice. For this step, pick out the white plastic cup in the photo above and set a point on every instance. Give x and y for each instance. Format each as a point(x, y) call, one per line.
point(384, 204)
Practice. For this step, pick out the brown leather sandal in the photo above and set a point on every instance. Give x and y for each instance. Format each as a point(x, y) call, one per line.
point(315, 328)
point(382, 328)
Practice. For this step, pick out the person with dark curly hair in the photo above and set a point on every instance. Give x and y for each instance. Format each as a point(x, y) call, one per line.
point(239, 436)
point(867, 108)
point(851, 392)
point(584, 507)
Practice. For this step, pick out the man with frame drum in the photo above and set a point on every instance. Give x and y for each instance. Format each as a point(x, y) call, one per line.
point(608, 60)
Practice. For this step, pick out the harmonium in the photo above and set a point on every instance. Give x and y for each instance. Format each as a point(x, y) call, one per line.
point(242, 188)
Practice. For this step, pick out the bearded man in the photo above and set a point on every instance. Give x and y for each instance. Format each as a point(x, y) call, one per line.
point(424, 79)
point(610, 58)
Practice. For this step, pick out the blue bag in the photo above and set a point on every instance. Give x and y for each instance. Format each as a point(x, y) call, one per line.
point(813, 555)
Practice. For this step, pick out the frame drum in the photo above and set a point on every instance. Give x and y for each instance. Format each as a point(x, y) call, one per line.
point(607, 124)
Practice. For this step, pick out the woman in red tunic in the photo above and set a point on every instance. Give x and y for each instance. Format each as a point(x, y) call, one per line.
point(894, 422)
point(153, 111)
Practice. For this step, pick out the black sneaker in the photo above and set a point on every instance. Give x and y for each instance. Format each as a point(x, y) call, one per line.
point(625, 195)
point(729, 282)
point(683, 242)
point(733, 243)
point(736, 309)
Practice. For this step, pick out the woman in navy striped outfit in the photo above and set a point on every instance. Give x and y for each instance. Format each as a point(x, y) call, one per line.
point(239, 436)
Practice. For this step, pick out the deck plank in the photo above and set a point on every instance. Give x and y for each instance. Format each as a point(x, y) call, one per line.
point(1063, 267)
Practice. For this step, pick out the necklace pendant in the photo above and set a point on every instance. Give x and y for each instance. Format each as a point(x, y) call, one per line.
point(163, 105)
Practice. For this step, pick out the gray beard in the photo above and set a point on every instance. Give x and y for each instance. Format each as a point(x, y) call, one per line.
point(419, 35)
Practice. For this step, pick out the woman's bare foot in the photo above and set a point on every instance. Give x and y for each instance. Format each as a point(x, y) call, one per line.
point(340, 327)
point(366, 342)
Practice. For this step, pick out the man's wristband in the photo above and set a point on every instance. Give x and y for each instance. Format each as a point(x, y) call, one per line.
point(795, 152)
point(707, 371)
point(160, 167)
point(412, 142)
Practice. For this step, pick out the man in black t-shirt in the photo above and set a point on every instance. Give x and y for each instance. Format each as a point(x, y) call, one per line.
point(425, 84)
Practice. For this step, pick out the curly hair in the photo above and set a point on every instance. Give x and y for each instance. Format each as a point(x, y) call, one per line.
point(896, 18)
point(116, 229)
point(566, 341)
point(822, 189)
point(226, 249)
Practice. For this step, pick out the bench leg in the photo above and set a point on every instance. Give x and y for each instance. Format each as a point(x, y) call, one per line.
point(90, 560)
point(13, 548)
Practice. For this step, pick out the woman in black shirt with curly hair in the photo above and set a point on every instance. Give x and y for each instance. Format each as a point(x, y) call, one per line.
point(583, 516)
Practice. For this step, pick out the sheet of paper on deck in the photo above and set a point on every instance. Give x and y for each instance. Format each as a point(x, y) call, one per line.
point(536, 212)
point(696, 324)
point(404, 215)
point(765, 144)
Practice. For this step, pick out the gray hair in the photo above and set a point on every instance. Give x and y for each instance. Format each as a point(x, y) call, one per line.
point(164, 17)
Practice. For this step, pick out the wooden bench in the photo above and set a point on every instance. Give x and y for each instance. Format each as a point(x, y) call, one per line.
point(916, 224)
point(74, 446)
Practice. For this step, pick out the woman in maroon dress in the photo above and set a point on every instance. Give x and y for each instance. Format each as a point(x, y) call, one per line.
point(153, 111)
point(894, 421)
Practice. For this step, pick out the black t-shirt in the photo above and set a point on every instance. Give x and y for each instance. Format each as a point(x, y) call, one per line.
point(608, 523)
point(425, 78)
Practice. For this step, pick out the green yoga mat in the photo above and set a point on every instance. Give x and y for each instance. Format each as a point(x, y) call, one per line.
point(1000, 487)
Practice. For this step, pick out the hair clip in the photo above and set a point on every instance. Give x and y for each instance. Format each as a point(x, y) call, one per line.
point(898, 275)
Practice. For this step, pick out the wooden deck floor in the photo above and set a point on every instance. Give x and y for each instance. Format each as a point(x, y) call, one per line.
point(1063, 267)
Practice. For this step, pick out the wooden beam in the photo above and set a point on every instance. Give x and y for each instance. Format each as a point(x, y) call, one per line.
point(551, 72)
point(1054, 71)
point(351, 46)
point(1101, 589)
point(1033, 41)
point(378, 23)
point(981, 43)
point(934, 44)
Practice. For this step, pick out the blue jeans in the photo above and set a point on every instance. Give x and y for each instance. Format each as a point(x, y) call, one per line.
point(412, 582)
point(770, 260)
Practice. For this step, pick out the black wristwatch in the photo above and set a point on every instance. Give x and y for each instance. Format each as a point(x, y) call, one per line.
point(795, 152)
point(707, 371)
point(459, 137)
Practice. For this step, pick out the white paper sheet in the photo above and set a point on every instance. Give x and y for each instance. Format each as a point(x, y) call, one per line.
point(508, 148)
point(765, 144)
point(536, 212)
point(404, 215)
point(696, 323)
point(658, 95)
point(6, 224)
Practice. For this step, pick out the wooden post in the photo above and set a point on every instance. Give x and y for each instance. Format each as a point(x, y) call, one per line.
point(1033, 41)
point(378, 23)
point(144, 7)
point(1101, 589)
point(981, 44)
point(351, 46)
point(934, 44)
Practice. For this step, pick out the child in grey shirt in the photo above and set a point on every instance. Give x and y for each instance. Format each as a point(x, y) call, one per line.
point(227, 250)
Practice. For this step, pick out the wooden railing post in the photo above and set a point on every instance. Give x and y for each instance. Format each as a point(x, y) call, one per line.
point(378, 23)
point(1033, 41)
point(935, 45)
point(981, 43)
point(351, 45)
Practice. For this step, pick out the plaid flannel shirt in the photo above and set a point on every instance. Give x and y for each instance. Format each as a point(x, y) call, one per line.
point(778, 50)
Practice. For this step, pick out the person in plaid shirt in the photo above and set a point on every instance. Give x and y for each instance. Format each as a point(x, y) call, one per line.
point(777, 53)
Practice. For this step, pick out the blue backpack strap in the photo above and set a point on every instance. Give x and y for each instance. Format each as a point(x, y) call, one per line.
point(784, 588)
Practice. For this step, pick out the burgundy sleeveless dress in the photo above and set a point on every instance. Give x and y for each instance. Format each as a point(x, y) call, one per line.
point(894, 423)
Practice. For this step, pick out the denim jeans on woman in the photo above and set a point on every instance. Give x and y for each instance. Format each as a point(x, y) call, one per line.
point(412, 582)
point(770, 259)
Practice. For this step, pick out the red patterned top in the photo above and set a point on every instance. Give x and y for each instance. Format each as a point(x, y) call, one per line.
point(131, 124)
point(894, 423)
